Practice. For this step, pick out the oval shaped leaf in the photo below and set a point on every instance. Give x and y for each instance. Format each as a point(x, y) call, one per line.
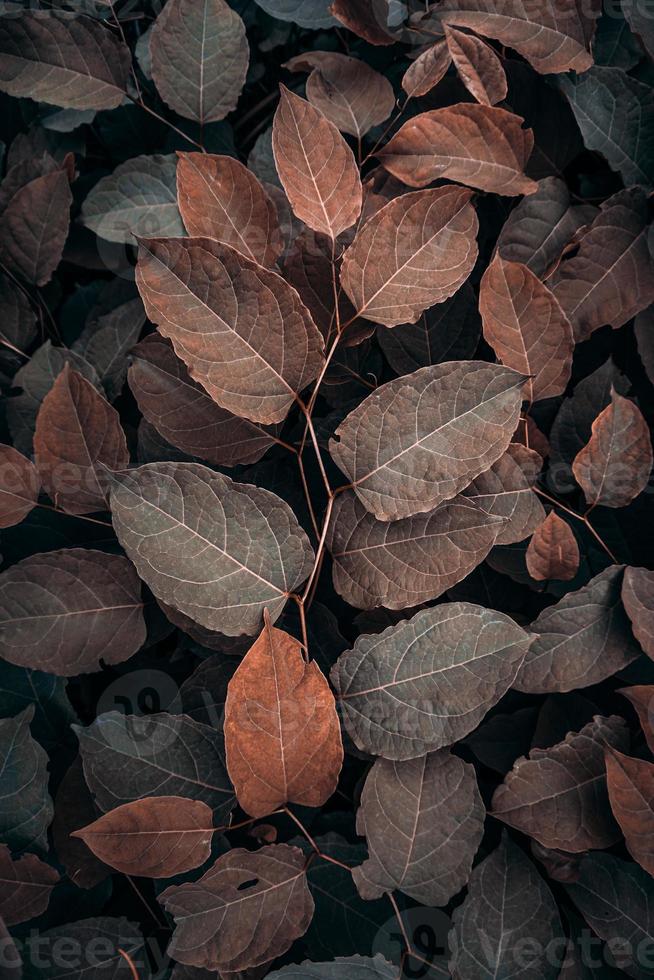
point(19, 486)
point(638, 600)
point(427, 70)
point(478, 66)
point(25, 886)
point(553, 552)
point(630, 784)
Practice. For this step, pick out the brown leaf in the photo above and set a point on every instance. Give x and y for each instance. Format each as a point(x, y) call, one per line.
point(427, 70)
point(365, 18)
point(526, 327)
point(308, 268)
point(241, 330)
point(316, 166)
point(642, 698)
point(614, 466)
point(478, 66)
point(77, 434)
point(246, 910)
point(504, 490)
point(529, 435)
point(25, 887)
point(478, 145)
point(282, 734)
point(35, 226)
point(553, 35)
point(19, 486)
point(346, 90)
point(220, 198)
point(558, 795)
point(428, 243)
point(638, 600)
point(156, 837)
point(553, 552)
point(609, 279)
point(630, 784)
point(184, 414)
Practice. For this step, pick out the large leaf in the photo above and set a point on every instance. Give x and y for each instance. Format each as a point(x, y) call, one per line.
point(408, 561)
point(138, 198)
point(417, 441)
point(609, 279)
point(62, 58)
point(35, 226)
point(553, 552)
point(423, 821)
point(156, 837)
point(508, 904)
point(614, 466)
point(615, 113)
point(428, 242)
point(200, 57)
point(558, 795)
point(26, 886)
point(246, 910)
point(553, 35)
point(241, 330)
point(526, 327)
point(128, 758)
point(638, 600)
point(342, 968)
point(218, 551)
point(184, 414)
point(67, 611)
point(19, 486)
point(316, 166)
point(478, 145)
point(427, 682)
point(27, 809)
point(631, 792)
point(282, 735)
point(581, 639)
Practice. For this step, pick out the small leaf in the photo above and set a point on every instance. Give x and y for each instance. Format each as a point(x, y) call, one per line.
point(200, 58)
point(220, 198)
point(78, 434)
point(157, 837)
point(35, 225)
point(614, 466)
point(427, 70)
point(558, 795)
point(316, 166)
point(428, 240)
point(427, 682)
point(417, 441)
point(478, 145)
point(27, 884)
point(507, 904)
point(638, 600)
point(241, 330)
point(62, 58)
point(246, 910)
point(553, 552)
point(282, 734)
point(67, 611)
point(27, 810)
point(526, 327)
point(423, 821)
point(478, 66)
point(218, 551)
point(631, 792)
point(19, 486)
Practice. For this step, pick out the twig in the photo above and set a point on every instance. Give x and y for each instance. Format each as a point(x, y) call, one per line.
point(130, 963)
point(81, 517)
point(166, 122)
point(579, 517)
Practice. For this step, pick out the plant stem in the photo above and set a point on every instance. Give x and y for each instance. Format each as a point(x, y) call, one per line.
point(166, 122)
point(579, 517)
point(81, 517)
point(130, 963)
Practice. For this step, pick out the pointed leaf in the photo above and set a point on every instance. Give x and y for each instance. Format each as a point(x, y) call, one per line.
point(478, 145)
point(478, 66)
point(428, 241)
point(365, 18)
point(218, 551)
point(427, 70)
point(19, 486)
point(641, 697)
point(631, 792)
point(316, 166)
point(67, 611)
point(417, 441)
point(35, 225)
point(246, 910)
point(241, 330)
point(423, 821)
point(638, 600)
point(427, 682)
point(25, 886)
point(27, 810)
point(553, 552)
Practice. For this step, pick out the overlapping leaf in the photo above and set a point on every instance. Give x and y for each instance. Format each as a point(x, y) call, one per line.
point(638, 600)
point(478, 66)
point(19, 486)
point(553, 552)
point(631, 792)
point(27, 811)
point(27, 884)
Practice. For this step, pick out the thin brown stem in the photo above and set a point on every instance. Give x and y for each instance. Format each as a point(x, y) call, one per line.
point(583, 518)
point(130, 963)
point(303, 830)
point(166, 122)
point(305, 487)
point(81, 517)
point(320, 549)
point(387, 130)
point(298, 599)
point(243, 823)
point(409, 952)
point(158, 922)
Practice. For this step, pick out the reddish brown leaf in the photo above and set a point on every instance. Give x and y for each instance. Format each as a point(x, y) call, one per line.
point(282, 734)
point(526, 327)
point(25, 886)
point(426, 71)
point(529, 435)
point(630, 784)
point(156, 837)
point(220, 198)
point(365, 18)
point(316, 166)
point(478, 145)
point(478, 66)
point(428, 241)
point(614, 466)
point(642, 698)
point(558, 795)
point(638, 600)
point(553, 552)
point(77, 434)
point(19, 486)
